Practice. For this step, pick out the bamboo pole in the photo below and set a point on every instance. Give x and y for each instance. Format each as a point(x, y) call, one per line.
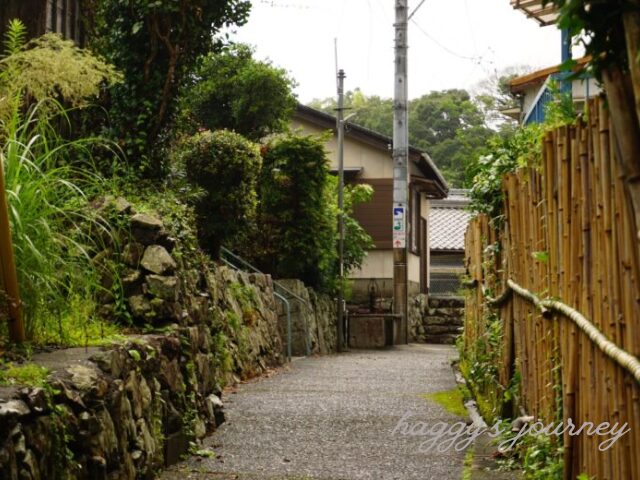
point(8, 274)
point(577, 209)
point(622, 358)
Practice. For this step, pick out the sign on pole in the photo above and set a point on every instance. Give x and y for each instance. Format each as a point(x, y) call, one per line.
point(399, 227)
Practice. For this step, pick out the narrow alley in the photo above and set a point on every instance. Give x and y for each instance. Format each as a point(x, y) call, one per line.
point(332, 418)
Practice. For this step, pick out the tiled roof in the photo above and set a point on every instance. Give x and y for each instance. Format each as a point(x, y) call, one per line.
point(447, 226)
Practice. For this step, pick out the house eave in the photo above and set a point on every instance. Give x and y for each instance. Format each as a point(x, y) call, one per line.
point(423, 162)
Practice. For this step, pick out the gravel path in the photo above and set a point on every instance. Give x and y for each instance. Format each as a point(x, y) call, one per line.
point(332, 418)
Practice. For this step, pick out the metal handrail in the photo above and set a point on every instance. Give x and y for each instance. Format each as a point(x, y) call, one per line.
point(226, 251)
point(289, 334)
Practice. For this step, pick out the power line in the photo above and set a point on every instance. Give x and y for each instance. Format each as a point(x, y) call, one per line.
point(444, 47)
point(416, 9)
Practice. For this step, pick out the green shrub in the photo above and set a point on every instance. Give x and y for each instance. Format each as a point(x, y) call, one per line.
point(51, 225)
point(296, 227)
point(25, 374)
point(226, 166)
point(50, 222)
point(295, 234)
point(506, 155)
point(232, 90)
point(49, 67)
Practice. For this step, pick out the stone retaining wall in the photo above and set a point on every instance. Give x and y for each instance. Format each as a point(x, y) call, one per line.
point(125, 411)
point(313, 321)
point(436, 320)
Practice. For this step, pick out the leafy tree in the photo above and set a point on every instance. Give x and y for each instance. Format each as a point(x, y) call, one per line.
point(226, 166)
point(600, 28)
point(155, 44)
point(374, 112)
point(232, 90)
point(439, 116)
point(493, 96)
point(449, 125)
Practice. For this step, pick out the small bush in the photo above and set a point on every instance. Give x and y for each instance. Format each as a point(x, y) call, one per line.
point(49, 67)
point(49, 217)
point(48, 181)
point(226, 166)
point(295, 234)
point(28, 374)
point(296, 228)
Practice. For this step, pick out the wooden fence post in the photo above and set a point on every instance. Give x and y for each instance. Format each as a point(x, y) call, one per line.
point(8, 274)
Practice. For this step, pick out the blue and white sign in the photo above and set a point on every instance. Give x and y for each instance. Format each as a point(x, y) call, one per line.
point(399, 227)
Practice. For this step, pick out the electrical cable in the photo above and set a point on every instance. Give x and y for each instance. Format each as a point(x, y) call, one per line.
point(442, 46)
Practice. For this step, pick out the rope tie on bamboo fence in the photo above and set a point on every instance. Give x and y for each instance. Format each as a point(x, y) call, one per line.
point(501, 300)
point(493, 302)
point(618, 355)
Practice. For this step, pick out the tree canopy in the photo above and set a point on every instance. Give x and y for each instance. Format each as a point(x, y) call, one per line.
point(449, 125)
point(233, 90)
point(155, 44)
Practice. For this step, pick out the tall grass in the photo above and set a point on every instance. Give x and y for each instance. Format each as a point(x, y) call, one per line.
point(52, 227)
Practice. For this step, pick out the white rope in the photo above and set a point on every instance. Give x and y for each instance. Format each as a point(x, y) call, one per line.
point(623, 358)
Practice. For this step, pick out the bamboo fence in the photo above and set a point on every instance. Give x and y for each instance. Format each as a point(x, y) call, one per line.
point(568, 236)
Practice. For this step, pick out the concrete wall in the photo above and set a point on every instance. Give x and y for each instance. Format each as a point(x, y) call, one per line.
point(379, 266)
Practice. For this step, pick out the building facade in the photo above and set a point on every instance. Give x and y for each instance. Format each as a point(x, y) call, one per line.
point(368, 159)
point(535, 92)
point(448, 221)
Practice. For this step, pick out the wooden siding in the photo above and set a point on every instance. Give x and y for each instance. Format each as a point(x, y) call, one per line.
point(41, 16)
point(31, 12)
point(375, 216)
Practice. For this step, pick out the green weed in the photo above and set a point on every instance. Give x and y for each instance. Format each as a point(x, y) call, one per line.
point(451, 400)
point(28, 374)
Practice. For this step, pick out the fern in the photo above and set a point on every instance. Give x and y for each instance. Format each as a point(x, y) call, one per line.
point(15, 38)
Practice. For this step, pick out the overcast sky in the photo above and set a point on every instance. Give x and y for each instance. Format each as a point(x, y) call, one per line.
point(452, 44)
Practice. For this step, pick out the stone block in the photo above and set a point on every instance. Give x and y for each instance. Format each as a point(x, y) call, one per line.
point(145, 229)
point(165, 287)
point(157, 260)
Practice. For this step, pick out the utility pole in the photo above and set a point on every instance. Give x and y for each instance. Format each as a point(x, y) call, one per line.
point(400, 171)
point(340, 127)
point(8, 275)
